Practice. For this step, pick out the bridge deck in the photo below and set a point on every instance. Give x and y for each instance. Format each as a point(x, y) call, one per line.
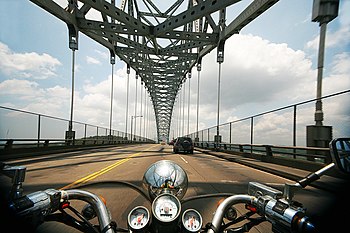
point(326, 182)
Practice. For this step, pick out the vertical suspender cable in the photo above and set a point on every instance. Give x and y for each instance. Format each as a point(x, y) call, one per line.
point(110, 116)
point(127, 102)
point(141, 102)
point(72, 98)
point(189, 102)
point(199, 72)
point(135, 112)
point(218, 113)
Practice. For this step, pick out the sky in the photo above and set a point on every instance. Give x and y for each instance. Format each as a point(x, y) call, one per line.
point(271, 63)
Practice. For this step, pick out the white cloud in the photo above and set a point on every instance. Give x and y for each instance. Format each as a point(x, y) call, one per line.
point(333, 39)
point(341, 64)
point(102, 54)
point(18, 87)
point(256, 71)
point(258, 76)
point(27, 65)
point(91, 60)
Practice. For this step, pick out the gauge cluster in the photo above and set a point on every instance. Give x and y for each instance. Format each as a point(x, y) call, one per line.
point(166, 209)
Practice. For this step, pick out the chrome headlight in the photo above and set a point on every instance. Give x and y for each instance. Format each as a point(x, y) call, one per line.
point(165, 176)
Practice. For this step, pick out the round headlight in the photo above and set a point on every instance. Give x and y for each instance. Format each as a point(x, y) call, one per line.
point(165, 176)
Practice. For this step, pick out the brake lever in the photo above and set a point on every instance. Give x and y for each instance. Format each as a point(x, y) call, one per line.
point(237, 220)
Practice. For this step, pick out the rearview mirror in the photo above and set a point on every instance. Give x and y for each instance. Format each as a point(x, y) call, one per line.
point(340, 151)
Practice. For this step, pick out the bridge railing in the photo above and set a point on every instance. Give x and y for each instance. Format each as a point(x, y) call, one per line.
point(282, 126)
point(21, 129)
point(314, 154)
point(304, 158)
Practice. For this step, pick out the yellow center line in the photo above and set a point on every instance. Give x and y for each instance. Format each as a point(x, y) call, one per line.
point(103, 170)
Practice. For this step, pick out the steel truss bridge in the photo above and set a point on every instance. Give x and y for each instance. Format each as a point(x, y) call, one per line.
point(161, 40)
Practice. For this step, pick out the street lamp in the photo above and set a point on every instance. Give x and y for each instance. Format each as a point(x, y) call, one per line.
point(323, 12)
point(132, 118)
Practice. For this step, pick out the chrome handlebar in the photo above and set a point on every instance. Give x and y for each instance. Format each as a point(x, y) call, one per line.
point(283, 216)
point(96, 203)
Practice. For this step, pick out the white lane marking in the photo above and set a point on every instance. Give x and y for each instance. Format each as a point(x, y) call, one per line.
point(183, 159)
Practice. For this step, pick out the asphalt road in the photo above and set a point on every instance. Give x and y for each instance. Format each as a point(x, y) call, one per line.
point(206, 174)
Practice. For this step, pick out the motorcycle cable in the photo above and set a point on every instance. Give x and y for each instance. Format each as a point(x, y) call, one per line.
point(237, 220)
point(206, 196)
point(84, 225)
point(245, 227)
point(114, 182)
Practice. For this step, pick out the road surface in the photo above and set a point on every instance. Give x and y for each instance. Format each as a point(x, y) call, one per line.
point(206, 174)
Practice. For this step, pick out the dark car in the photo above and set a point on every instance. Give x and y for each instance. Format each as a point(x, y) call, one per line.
point(183, 144)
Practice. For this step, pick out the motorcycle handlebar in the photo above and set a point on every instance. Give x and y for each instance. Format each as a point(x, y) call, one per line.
point(35, 206)
point(284, 218)
point(220, 211)
point(96, 203)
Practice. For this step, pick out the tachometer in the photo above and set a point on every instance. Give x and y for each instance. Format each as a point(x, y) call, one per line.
point(138, 218)
point(192, 220)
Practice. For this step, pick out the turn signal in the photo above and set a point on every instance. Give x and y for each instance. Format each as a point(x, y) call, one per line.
point(251, 208)
point(103, 200)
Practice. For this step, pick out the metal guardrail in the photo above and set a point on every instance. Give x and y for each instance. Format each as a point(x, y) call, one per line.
point(28, 146)
point(312, 154)
point(25, 126)
point(293, 132)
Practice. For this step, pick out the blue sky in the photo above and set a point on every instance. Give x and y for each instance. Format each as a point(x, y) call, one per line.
point(271, 63)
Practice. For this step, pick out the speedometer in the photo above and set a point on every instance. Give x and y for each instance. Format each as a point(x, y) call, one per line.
point(166, 207)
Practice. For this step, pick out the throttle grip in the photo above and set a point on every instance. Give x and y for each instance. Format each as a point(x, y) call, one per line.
point(287, 218)
point(34, 207)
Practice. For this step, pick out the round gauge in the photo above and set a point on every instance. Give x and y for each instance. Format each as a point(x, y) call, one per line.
point(138, 218)
point(192, 220)
point(166, 207)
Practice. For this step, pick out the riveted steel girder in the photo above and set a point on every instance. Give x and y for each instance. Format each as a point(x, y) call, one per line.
point(161, 40)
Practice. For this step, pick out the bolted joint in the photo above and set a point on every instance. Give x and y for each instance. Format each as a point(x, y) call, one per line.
point(112, 60)
point(318, 113)
point(128, 69)
point(199, 64)
point(73, 37)
point(220, 51)
point(319, 116)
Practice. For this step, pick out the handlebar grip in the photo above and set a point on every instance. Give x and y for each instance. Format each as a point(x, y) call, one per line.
point(287, 218)
point(35, 206)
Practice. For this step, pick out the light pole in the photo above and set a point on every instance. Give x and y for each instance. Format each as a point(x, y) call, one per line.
point(132, 120)
point(73, 45)
point(220, 60)
point(323, 11)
